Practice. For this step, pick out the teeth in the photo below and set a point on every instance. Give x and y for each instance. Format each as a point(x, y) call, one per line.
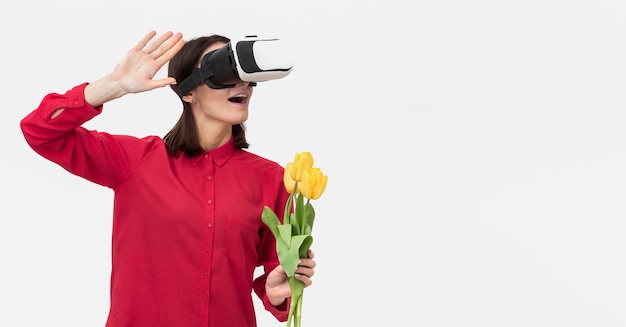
point(240, 96)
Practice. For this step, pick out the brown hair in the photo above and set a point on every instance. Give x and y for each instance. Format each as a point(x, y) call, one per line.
point(183, 137)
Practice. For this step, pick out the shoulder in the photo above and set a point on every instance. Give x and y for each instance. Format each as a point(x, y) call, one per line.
point(259, 164)
point(138, 146)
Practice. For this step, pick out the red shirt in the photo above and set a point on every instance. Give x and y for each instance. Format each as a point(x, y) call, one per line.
point(187, 232)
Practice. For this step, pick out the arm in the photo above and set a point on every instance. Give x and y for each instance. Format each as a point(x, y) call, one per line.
point(54, 129)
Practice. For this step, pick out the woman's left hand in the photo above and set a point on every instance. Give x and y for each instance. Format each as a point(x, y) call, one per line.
point(277, 283)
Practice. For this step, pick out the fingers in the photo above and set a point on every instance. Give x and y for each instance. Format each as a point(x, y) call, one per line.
point(310, 263)
point(160, 51)
point(305, 270)
point(163, 44)
point(168, 43)
point(156, 83)
point(170, 48)
point(142, 43)
point(306, 265)
point(154, 45)
point(304, 275)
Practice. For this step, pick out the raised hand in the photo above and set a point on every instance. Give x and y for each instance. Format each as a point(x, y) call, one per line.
point(135, 72)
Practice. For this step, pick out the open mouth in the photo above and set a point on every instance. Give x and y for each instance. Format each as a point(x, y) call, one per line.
point(238, 98)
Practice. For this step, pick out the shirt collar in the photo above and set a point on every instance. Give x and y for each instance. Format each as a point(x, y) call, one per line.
point(218, 155)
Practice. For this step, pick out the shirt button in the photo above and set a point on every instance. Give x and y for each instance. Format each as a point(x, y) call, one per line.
point(209, 225)
point(204, 296)
point(205, 272)
point(207, 249)
point(209, 177)
point(206, 156)
point(210, 202)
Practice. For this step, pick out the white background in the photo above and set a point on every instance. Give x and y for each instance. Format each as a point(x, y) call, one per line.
point(476, 154)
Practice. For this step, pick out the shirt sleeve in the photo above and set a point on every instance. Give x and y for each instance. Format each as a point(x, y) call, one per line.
point(96, 156)
point(268, 258)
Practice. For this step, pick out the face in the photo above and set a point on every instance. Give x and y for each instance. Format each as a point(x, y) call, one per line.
point(227, 106)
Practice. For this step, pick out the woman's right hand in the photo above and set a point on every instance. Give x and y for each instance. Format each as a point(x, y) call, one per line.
point(135, 72)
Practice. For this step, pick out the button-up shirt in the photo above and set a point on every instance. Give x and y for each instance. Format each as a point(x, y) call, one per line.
point(187, 233)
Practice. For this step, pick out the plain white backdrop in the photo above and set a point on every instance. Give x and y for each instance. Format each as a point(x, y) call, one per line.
point(476, 154)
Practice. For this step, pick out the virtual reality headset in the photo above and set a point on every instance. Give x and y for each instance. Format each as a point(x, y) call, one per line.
point(250, 59)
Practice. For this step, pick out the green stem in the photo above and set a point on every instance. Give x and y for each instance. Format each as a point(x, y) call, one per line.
point(289, 205)
point(287, 211)
point(295, 308)
point(298, 314)
point(289, 319)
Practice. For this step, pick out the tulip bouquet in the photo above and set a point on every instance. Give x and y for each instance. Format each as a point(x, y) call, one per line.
point(293, 235)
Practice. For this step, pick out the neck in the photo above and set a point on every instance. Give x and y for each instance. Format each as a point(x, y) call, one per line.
point(211, 138)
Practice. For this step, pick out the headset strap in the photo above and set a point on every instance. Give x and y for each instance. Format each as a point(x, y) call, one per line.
point(196, 78)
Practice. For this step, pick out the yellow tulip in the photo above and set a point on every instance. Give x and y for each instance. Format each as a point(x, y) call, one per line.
point(288, 181)
point(301, 163)
point(313, 183)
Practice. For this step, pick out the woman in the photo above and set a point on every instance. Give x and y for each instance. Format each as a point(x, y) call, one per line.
point(187, 234)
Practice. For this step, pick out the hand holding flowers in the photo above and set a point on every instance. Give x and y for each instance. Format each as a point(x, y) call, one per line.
point(293, 235)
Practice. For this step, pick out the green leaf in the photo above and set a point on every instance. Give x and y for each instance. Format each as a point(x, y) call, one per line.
point(304, 247)
point(270, 219)
point(288, 209)
point(289, 257)
point(285, 234)
point(309, 215)
point(300, 212)
point(289, 260)
point(302, 243)
point(284, 255)
point(295, 225)
point(307, 229)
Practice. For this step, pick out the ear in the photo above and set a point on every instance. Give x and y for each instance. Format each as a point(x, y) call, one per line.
point(188, 98)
